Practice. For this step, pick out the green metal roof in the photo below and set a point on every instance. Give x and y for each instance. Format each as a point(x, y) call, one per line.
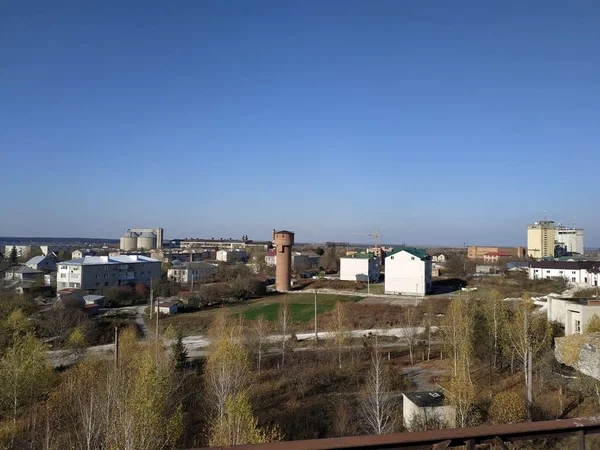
point(363, 255)
point(417, 252)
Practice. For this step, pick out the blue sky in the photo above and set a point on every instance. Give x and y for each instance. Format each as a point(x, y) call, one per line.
point(437, 122)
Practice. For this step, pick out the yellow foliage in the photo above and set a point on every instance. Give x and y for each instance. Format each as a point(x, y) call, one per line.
point(508, 407)
point(593, 325)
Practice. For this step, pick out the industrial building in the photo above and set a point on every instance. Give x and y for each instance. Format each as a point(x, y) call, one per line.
point(480, 252)
point(225, 244)
point(408, 271)
point(141, 238)
point(545, 239)
point(284, 241)
point(95, 273)
point(193, 271)
point(360, 267)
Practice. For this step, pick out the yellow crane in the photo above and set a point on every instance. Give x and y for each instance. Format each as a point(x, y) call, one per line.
point(374, 234)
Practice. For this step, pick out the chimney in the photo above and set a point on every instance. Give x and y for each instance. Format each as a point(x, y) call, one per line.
point(273, 238)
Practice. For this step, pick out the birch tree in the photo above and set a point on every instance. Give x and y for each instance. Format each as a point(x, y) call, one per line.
point(260, 328)
point(283, 319)
point(409, 325)
point(377, 408)
point(341, 329)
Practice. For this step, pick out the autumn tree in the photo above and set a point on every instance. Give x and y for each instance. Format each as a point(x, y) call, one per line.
point(507, 407)
point(528, 332)
point(283, 319)
point(239, 426)
point(341, 329)
point(377, 408)
point(593, 325)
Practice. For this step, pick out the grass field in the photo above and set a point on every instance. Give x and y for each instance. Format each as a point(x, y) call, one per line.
point(302, 307)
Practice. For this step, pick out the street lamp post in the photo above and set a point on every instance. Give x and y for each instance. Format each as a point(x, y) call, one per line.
point(316, 334)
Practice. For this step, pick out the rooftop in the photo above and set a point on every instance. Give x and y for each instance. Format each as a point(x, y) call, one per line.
point(36, 260)
point(23, 269)
point(418, 252)
point(118, 259)
point(426, 399)
point(361, 255)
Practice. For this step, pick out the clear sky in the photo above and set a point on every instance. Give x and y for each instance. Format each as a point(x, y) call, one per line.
point(437, 122)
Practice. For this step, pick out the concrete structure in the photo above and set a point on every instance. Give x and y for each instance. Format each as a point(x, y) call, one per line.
point(427, 408)
point(540, 239)
point(283, 240)
point(572, 271)
point(580, 352)
point(571, 239)
point(183, 256)
point(166, 308)
point(196, 271)
point(146, 238)
point(22, 250)
point(360, 267)
point(95, 273)
point(41, 263)
point(271, 258)
point(573, 313)
point(478, 252)
point(23, 273)
point(230, 243)
point(235, 255)
point(408, 271)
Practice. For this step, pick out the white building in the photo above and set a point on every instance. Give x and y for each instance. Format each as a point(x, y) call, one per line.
point(23, 273)
point(360, 267)
point(22, 250)
point(271, 258)
point(197, 271)
point(573, 313)
point(427, 407)
point(235, 255)
point(166, 308)
point(572, 271)
point(439, 258)
point(408, 271)
point(95, 273)
point(41, 263)
point(571, 239)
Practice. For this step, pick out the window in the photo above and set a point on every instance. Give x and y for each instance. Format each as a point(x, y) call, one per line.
point(573, 279)
point(578, 326)
point(573, 272)
point(97, 277)
point(547, 271)
point(391, 257)
point(63, 275)
point(63, 267)
point(535, 270)
point(560, 271)
point(412, 258)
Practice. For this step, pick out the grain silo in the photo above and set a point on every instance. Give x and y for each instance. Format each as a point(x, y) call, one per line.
point(146, 241)
point(129, 241)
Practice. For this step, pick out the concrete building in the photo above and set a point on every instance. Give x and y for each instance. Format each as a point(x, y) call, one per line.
point(360, 267)
point(478, 252)
point(305, 261)
point(571, 239)
point(284, 241)
point(573, 313)
point(541, 237)
point(271, 258)
point(166, 308)
point(83, 253)
point(95, 273)
point(190, 255)
point(23, 274)
point(235, 255)
point(196, 271)
point(42, 263)
point(494, 257)
point(574, 271)
point(427, 407)
point(227, 244)
point(408, 271)
point(22, 250)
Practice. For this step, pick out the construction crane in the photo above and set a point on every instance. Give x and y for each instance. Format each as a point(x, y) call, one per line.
point(374, 234)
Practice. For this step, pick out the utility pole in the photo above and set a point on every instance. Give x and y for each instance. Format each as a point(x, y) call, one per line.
point(416, 294)
point(316, 333)
point(151, 297)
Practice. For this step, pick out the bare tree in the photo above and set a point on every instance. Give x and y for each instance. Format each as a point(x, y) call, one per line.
point(341, 329)
point(377, 408)
point(260, 329)
point(408, 325)
point(284, 326)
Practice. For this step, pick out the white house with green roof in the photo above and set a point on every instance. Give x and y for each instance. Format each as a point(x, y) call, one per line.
point(408, 271)
point(360, 267)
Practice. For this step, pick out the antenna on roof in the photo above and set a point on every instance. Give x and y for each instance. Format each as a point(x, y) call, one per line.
point(574, 221)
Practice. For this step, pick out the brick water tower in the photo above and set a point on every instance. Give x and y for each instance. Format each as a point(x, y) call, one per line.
point(283, 241)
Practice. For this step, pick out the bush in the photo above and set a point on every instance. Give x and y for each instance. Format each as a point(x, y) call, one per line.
point(508, 407)
point(120, 295)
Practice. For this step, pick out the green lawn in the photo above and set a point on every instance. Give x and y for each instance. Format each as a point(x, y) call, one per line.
point(302, 307)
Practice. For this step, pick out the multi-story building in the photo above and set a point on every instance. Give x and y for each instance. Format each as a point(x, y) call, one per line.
point(360, 267)
point(478, 252)
point(95, 273)
point(408, 271)
point(236, 255)
point(225, 244)
point(570, 239)
point(587, 272)
point(540, 239)
point(196, 271)
point(183, 256)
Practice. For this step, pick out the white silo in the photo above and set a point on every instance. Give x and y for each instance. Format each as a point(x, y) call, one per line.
point(146, 241)
point(129, 241)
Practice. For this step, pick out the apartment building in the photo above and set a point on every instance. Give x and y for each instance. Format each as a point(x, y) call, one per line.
point(408, 271)
point(360, 267)
point(192, 271)
point(95, 273)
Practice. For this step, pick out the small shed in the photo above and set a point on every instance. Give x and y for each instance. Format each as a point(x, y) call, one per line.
point(425, 409)
point(166, 308)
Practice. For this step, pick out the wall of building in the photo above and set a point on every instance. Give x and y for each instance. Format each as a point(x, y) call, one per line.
point(540, 240)
point(572, 314)
point(445, 414)
point(407, 274)
point(571, 238)
point(478, 252)
point(359, 269)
